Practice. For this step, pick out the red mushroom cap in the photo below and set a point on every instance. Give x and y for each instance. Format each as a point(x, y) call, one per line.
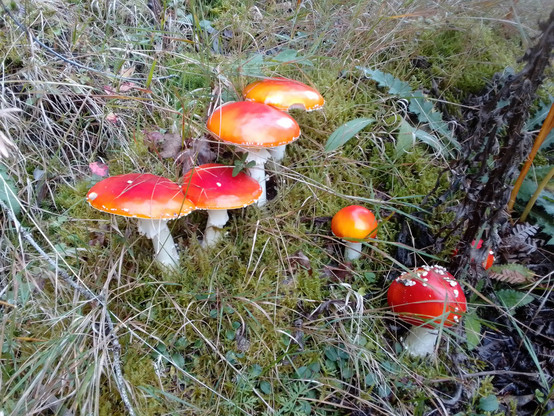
point(354, 223)
point(488, 262)
point(140, 195)
point(427, 293)
point(213, 186)
point(283, 94)
point(251, 124)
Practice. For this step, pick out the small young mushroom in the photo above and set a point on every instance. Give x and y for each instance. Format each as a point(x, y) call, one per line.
point(254, 128)
point(354, 224)
point(476, 252)
point(426, 297)
point(152, 199)
point(283, 94)
point(214, 188)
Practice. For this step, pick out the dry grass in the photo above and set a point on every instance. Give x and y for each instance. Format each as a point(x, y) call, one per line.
point(246, 328)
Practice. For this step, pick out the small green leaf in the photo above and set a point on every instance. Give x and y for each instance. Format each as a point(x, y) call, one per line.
point(8, 191)
point(405, 139)
point(265, 387)
point(255, 370)
point(178, 360)
point(489, 403)
point(513, 299)
point(345, 132)
point(472, 325)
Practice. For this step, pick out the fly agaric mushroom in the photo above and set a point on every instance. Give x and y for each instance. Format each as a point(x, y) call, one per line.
point(426, 297)
point(476, 248)
point(152, 199)
point(283, 94)
point(254, 127)
point(354, 224)
point(214, 188)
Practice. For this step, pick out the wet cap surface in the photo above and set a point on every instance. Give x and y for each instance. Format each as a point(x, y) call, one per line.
point(140, 195)
point(253, 124)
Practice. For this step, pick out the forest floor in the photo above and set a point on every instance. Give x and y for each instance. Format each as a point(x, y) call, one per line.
point(272, 320)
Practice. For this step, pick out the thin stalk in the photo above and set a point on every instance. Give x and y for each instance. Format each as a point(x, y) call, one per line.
point(535, 196)
point(543, 133)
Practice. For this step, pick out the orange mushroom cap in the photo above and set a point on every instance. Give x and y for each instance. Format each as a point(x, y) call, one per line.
point(140, 195)
point(428, 293)
point(213, 186)
point(252, 124)
point(283, 94)
point(354, 223)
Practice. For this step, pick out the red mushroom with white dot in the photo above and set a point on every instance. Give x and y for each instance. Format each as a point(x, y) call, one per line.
point(214, 188)
point(428, 297)
point(152, 200)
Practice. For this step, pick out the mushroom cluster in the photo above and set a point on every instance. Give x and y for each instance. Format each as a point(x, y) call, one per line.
point(259, 125)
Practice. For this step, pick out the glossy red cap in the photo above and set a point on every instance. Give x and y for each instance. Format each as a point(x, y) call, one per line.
point(251, 124)
point(140, 195)
point(213, 186)
point(283, 94)
point(354, 222)
point(427, 293)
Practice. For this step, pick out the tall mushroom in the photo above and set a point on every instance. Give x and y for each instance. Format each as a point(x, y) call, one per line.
point(152, 199)
point(214, 188)
point(254, 128)
point(354, 224)
point(283, 94)
point(426, 297)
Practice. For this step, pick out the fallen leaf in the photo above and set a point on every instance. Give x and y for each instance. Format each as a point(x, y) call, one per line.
point(112, 118)
point(341, 273)
point(168, 145)
point(128, 86)
point(99, 168)
point(128, 72)
point(197, 153)
point(109, 90)
point(300, 260)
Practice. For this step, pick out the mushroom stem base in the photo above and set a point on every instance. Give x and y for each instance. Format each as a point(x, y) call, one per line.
point(217, 218)
point(258, 156)
point(164, 246)
point(353, 251)
point(421, 341)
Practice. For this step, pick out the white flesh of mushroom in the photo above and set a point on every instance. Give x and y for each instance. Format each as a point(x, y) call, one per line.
point(258, 156)
point(421, 341)
point(278, 153)
point(353, 251)
point(217, 218)
point(164, 246)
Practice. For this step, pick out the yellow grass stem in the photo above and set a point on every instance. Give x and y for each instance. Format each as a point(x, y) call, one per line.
point(543, 133)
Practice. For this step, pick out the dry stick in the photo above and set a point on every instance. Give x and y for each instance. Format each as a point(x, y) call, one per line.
point(88, 294)
point(543, 133)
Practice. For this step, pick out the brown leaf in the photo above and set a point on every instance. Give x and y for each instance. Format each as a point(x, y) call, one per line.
point(511, 273)
point(168, 145)
point(340, 273)
point(300, 260)
point(197, 153)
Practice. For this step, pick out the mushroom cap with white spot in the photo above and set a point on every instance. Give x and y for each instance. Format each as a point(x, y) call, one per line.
point(429, 294)
point(140, 195)
point(213, 186)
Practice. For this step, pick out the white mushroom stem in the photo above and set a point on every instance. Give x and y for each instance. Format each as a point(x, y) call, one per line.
point(353, 251)
point(259, 156)
point(278, 153)
point(421, 341)
point(164, 246)
point(217, 218)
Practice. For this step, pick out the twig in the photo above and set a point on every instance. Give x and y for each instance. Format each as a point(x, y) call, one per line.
point(58, 55)
point(88, 294)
